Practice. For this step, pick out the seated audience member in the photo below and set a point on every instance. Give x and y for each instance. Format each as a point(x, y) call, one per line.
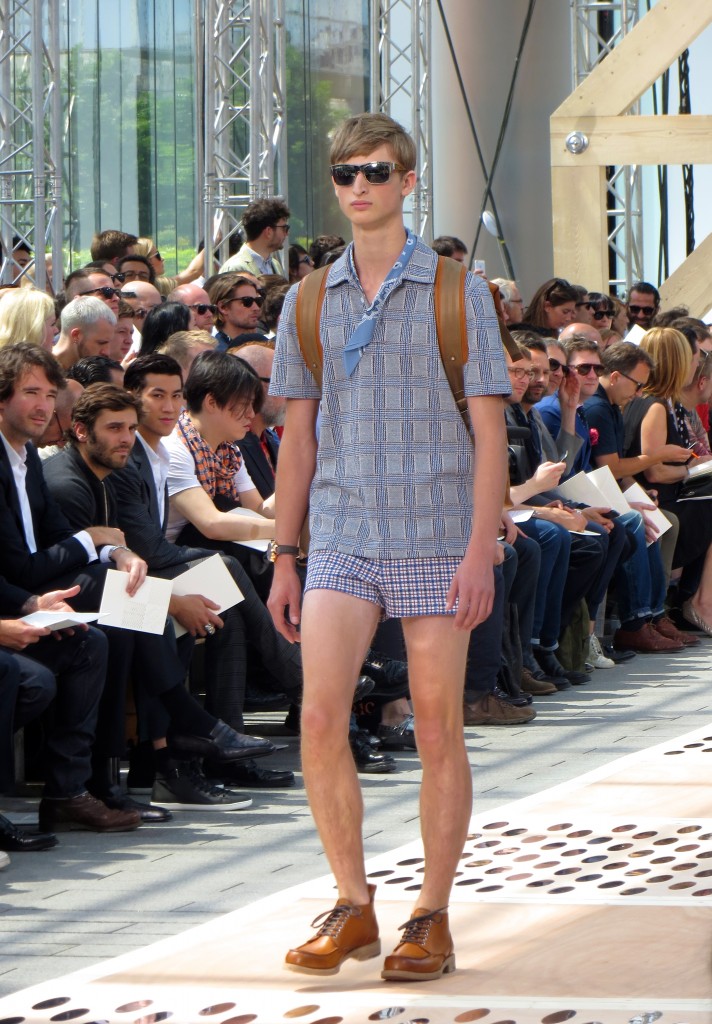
point(145, 247)
point(238, 301)
point(185, 346)
point(136, 268)
point(584, 309)
point(142, 514)
point(266, 226)
point(142, 297)
point(666, 317)
point(93, 283)
point(36, 672)
point(272, 309)
point(27, 315)
point(207, 476)
point(512, 302)
point(695, 398)
point(202, 311)
point(640, 579)
point(658, 418)
point(449, 245)
point(587, 331)
point(700, 328)
point(260, 445)
point(553, 305)
point(566, 572)
point(97, 370)
point(160, 323)
point(56, 432)
point(86, 329)
point(601, 310)
point(323, 244)
point(103, 428)
point(558, 365)
point(123, 334)
point(643, 304)
point(300, 263)
point(620, 316)
point(111, 245)
point(584, 359)
point(608, 338)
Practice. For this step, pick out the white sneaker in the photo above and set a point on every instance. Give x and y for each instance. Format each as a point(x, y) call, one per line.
point(596, 655)
point(4, 860)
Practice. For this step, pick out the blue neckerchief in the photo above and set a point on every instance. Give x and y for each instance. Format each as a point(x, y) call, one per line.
point(363, 335)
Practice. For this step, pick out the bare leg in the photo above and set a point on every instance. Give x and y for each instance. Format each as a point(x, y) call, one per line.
point(437, 655)
point(336, 632)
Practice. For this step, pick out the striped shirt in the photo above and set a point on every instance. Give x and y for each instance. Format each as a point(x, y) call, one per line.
point(394, 464)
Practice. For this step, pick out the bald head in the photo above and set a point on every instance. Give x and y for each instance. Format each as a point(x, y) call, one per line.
point(195, 298)
point(261, 358)
point(581, 331)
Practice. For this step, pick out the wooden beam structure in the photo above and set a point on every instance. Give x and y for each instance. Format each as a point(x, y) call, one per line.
point(691, 284)
point(597, 110)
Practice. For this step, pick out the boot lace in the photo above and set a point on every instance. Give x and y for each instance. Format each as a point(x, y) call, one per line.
point(416, 930)
point(334, 920)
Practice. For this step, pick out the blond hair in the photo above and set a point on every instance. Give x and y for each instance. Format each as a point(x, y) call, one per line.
point(366, 132)
point(23, 315)
point(672, 359)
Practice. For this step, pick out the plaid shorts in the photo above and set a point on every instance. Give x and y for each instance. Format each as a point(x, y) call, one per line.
point(403, 587)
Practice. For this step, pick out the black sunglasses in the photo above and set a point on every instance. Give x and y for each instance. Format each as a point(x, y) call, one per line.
point(247, 300)
point(118, 276)
point(377, 172)
point(155, 255)
point(648, 310)
point(106, 291)
point(583, 369)
point(201, 308)
point(638, 384)
point(602, 314)
point(555, 365)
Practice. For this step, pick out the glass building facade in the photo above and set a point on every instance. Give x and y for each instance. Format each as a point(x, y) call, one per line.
point(131, 79)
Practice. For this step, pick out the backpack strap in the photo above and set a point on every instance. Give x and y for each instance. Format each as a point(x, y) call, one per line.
point(451, 328)
point(310, 299)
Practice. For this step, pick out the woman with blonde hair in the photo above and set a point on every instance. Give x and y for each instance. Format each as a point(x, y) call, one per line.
point(658, 418)
point(27, 314)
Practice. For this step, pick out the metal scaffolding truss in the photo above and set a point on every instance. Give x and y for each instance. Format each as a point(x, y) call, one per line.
point(244, 143)
point(30, 136)
point(597, 26)
point(401, 87)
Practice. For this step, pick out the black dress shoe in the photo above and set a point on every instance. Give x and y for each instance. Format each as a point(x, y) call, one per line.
point(16, 840)
point(620, 657)
point(553, 669)
point(257, 699)
point(368, 760)
point(522, 700)
point(223, 744)
point(119, 801)
point(250, 775)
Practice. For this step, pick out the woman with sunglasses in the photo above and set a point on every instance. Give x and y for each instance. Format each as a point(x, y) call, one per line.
point(601, 310)
point(147, 248)
point(553, 305)
point(658, 418)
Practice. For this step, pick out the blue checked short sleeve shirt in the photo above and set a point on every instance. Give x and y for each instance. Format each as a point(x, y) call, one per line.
point(394, 464)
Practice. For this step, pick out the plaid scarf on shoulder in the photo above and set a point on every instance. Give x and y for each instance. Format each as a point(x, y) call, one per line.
point(215, 469)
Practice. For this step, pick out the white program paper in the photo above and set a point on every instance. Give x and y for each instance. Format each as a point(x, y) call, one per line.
point(59, 620)
point(608, 486)
point(145, 612)
point(520, 515)
point(636, 493)
point(256, 545)
point(210, 579)
point(581, 488)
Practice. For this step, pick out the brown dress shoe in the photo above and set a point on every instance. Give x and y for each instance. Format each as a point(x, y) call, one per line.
point(85, 813)
point(667, 628)
point(346, 931)
point(645, 640)
point(425, 952)
point(537, 687)
point(490, 710)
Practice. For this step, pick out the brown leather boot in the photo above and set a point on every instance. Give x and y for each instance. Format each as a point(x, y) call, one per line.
point(85, 813)
point(346, 931)
point(425, 952)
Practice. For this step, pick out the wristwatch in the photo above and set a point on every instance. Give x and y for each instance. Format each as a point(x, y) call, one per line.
point(275, 550)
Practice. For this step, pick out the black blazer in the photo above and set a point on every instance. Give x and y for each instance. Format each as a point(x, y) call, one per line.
point(138, 514)
point(58, 552)
point(256, 462)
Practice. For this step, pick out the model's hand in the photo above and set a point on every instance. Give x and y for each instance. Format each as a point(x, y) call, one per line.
point(472, 588)
point(285, 599)
point(194, 612)
point(129, 562)
point(17, 635)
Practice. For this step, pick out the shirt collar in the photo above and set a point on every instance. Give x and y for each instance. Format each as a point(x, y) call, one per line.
point(421, 266)
point(17, 461)
point(160, 457)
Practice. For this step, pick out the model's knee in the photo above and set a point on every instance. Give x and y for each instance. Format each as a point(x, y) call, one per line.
point(321, 723)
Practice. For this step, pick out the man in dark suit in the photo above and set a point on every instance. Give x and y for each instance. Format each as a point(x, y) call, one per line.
point(142, 513)
point(260, 446)
point(40, 550)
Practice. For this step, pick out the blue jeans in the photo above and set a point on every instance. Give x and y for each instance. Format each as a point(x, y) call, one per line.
point(555, 545)
point(641, 578)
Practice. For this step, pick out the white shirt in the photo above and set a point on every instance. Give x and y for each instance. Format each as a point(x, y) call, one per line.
point(182, 477)
point(18, 465)
point(159, 462)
